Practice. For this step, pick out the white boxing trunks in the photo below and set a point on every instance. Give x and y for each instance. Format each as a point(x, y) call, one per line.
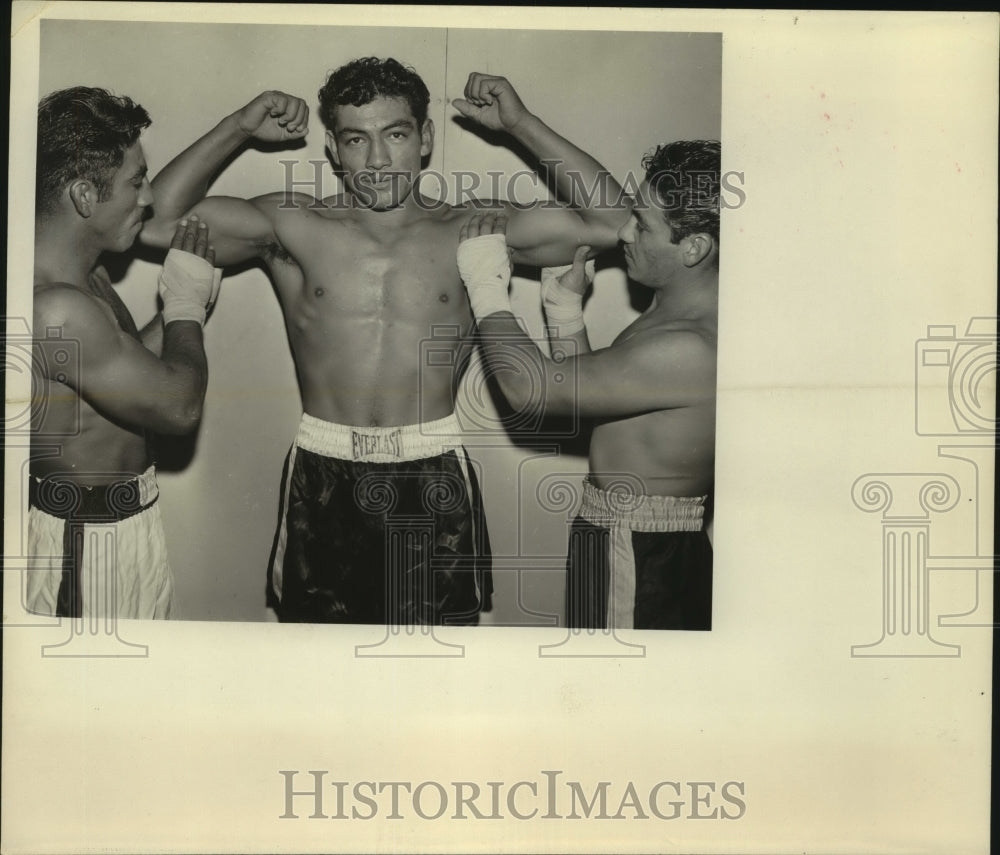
point(97, 551)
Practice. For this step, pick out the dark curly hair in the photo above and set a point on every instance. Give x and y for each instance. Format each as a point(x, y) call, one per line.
point(83, 132)
point(684, 177)
point(362, 81)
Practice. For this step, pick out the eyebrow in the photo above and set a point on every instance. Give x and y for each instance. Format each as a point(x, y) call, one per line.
point(140, 172)
point(399, 123)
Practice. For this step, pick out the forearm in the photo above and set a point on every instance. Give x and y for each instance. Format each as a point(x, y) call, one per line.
point(184, 356)
point(499, 334)
point(579, 179)
point(151, 335)
point(183, 182)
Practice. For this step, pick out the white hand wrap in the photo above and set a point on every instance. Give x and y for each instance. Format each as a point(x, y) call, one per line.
point(484, 265)
point(187, 285)
point(563, 307)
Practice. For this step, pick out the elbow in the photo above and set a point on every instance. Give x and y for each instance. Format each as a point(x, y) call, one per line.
point(603, 234)
point(522, 396)
point(157, 233)
point(189, 418)
point(184, 414)
point(182, 420)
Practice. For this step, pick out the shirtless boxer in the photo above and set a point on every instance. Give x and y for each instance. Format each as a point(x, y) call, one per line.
point(100, 383)
point(638, 553)
point(381, 516)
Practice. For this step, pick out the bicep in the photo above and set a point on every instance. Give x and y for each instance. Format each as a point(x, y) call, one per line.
point(237, 228)
point(659, 373)
point(547, 236)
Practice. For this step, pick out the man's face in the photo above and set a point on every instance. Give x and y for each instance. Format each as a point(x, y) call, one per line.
point(650, 256)
point(118, 219)
point(379, 146)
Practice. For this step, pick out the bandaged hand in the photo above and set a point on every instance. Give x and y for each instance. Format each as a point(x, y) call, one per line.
point(189, 283)
point(562, 292)
point(484, 264)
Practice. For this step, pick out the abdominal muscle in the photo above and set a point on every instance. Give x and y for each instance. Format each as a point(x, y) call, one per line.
point(377, 345)
point(355, 374)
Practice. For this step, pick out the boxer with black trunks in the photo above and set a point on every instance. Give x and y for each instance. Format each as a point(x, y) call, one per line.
point(364, 278)
point(95, 536)
point(639, 556)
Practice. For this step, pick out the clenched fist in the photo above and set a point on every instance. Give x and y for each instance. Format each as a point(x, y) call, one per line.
point(274, 117)
point(492, 102)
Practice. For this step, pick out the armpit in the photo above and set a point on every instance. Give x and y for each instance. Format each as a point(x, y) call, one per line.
point(274, 252)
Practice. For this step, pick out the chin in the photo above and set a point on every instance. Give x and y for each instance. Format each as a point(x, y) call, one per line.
point(387, 203)
point(125, 242)
point(382, 198)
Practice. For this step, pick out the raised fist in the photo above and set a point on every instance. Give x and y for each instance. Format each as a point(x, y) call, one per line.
point(492, 102)
point(274, 117)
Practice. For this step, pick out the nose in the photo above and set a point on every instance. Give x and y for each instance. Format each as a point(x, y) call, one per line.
point(626, 233)
point(145, 194)
point(378, 155)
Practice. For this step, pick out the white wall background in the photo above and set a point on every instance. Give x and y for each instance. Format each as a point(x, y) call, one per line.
point(616, 94)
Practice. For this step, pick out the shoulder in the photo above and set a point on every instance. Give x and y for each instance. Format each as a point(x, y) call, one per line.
point(281, 202)
point(63, 314)
point(679, 343)
point(59, 303)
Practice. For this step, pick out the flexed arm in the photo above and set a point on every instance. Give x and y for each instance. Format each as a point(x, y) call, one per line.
point(240, 229)
point(598, 206)
point(647, 373)
point(117, 375)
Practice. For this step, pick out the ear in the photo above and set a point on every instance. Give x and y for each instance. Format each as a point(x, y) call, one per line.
point(426, 138)
point(83, 195)
point(696, 248)
point(331, 145)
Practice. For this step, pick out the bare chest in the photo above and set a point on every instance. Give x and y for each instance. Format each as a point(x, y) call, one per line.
point(345, 273)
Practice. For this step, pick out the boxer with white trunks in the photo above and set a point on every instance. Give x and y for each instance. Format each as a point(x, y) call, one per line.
point(95, 538)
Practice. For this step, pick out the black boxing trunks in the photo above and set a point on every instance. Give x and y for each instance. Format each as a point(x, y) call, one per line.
point(97, 551)
point(638, 562)
point(380, 525)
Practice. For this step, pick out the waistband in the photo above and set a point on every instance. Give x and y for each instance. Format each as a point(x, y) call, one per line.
point(610, 508)
point(379, 444)
point(112, 502)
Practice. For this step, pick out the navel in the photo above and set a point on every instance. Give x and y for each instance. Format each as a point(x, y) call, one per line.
point(319, 292)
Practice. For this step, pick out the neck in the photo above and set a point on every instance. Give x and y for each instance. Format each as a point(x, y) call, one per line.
point(63, 253)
